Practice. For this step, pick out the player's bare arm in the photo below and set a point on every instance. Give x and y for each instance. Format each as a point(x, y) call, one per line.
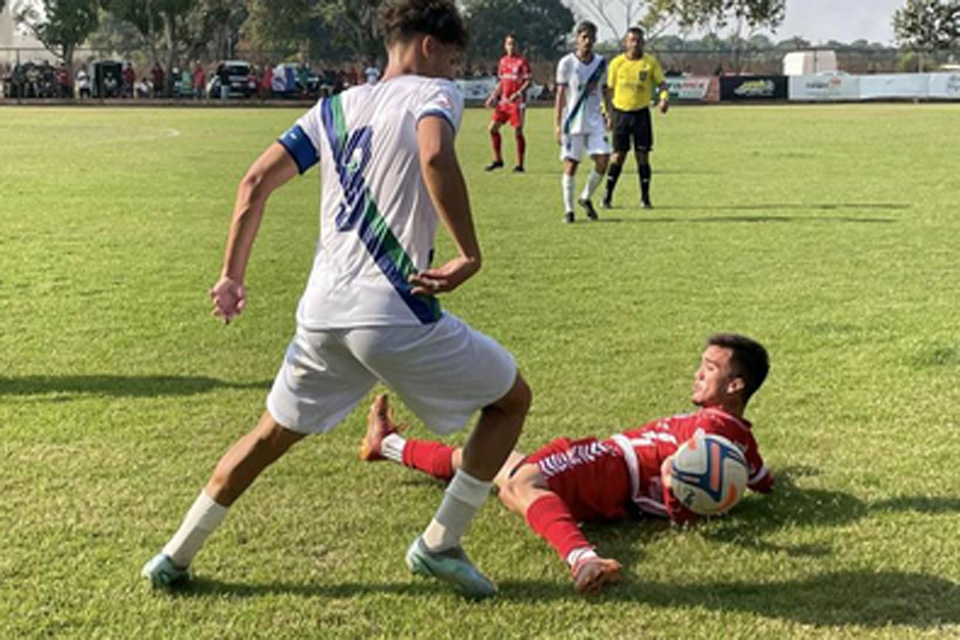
point(492, 100)
point(448, 191)
point(608, 106)
point(560, 100)
point(664, 92)
point(518, 96)
point(271, 170)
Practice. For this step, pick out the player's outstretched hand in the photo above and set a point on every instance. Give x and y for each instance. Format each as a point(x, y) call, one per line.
point(229, 298)
point(445, 278)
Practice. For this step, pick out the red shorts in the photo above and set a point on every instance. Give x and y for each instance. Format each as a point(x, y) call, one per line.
point(590, 476)
point(511, 112)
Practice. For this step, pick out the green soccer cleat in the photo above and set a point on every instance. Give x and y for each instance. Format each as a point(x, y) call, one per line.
point(163, 574)
point(452, 566)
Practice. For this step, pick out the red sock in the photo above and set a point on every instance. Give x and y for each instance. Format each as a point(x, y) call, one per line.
point(550, 518)
point(521, 148)
point(434, 458)
point(496, 139)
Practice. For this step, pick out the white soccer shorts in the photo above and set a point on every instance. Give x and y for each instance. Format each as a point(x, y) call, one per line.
point(444, 372)
point(572, 145)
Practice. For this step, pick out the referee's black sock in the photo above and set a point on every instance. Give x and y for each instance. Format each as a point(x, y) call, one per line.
point(613, 174)
point(646, 174)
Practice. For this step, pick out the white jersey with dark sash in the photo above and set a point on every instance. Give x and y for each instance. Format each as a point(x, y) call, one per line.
point(584, 95)
point(377, 222)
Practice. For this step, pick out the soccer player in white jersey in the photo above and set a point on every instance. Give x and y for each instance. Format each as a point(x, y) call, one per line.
point(579, 123)
point(370, 312)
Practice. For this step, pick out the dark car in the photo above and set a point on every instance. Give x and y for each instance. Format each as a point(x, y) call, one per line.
point(237, 75)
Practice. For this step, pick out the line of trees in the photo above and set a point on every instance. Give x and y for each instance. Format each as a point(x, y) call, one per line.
point(171, 31)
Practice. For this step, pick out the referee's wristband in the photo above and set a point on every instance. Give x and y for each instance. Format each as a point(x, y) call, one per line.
point(664, 95)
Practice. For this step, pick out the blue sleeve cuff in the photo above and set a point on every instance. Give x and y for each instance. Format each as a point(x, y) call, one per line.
point(300, 148)
point(438, 113)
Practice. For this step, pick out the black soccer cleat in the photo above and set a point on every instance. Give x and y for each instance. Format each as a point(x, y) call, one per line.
point(588, 207)
point(607, 203)
point(646, 204)
point(568, 217)
point(519, 169)
point(496, 164)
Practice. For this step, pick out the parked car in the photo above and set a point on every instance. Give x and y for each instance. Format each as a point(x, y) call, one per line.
point(242, 82)
point(292, 80)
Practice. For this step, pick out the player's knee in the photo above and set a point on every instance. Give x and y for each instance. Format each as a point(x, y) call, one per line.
point(509, 496)
point(494, 127)
point(519, 397)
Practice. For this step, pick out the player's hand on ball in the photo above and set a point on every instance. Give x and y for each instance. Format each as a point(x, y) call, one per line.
point(445, 278)
point(229, 298)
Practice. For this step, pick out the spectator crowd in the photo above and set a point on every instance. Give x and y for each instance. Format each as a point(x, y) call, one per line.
point(228, 79)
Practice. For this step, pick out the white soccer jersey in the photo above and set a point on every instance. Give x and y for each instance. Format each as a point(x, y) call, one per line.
point(584, 83)
point(377, 222)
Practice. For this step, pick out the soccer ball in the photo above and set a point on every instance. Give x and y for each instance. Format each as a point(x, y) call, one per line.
point(708, 474)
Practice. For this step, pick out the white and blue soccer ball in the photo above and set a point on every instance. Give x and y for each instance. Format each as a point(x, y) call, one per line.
point(708, 474)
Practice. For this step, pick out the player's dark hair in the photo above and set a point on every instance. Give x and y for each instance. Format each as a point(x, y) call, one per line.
point(403, 20)
point(637, 31)
point(749, 359)
point(586, 27)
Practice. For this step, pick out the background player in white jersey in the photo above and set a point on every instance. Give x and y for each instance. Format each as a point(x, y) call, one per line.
point(369, 312)
point(579, 123)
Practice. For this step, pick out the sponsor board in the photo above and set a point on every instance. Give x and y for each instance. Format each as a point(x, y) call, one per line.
point(740, 88)
point(944, 86)
point(824, 87)
point(904, 85)
point(476, 89)
point(693, 89)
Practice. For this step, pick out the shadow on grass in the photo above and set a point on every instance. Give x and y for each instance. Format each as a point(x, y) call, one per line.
point(118, 386)
point(866, 598)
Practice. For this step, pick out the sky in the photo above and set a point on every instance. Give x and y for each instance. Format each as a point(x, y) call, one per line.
point(821, 20)
point(842, 20)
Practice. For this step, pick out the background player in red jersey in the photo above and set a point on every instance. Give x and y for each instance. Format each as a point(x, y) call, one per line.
point(589, 479)
point(508, 101)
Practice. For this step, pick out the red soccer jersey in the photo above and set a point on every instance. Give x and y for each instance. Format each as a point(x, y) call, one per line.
point(644, 450)
point(513, 72)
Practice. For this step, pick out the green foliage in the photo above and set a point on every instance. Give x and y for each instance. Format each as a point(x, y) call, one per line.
point(715, 15)
point(541, 26)
point(61, 25)
point(928, 25)
point(827, 232)
point(316, 29)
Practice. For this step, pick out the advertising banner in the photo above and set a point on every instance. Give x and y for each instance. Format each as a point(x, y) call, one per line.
point(904, 85)
point(944, 86)
point(816, 88)
point(689, 89)
point(476, 89)
point(744, 88)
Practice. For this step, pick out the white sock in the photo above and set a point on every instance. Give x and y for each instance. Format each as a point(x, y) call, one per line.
point(580, 553)
point(569, 186)
point(463, 498)
point(592, 182)
point(200, 521)
point(392, 447)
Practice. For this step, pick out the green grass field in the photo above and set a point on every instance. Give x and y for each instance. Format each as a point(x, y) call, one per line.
point(829, 233)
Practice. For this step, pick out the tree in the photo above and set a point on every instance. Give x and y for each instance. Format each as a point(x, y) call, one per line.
point(160, 22)
point(743, 17)
point(615, 15)
point(541, 26)
point(61, 25)
point(927, 26)
point(327, 29)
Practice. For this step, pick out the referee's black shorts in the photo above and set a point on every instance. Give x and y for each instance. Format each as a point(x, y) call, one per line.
point(635, 125)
